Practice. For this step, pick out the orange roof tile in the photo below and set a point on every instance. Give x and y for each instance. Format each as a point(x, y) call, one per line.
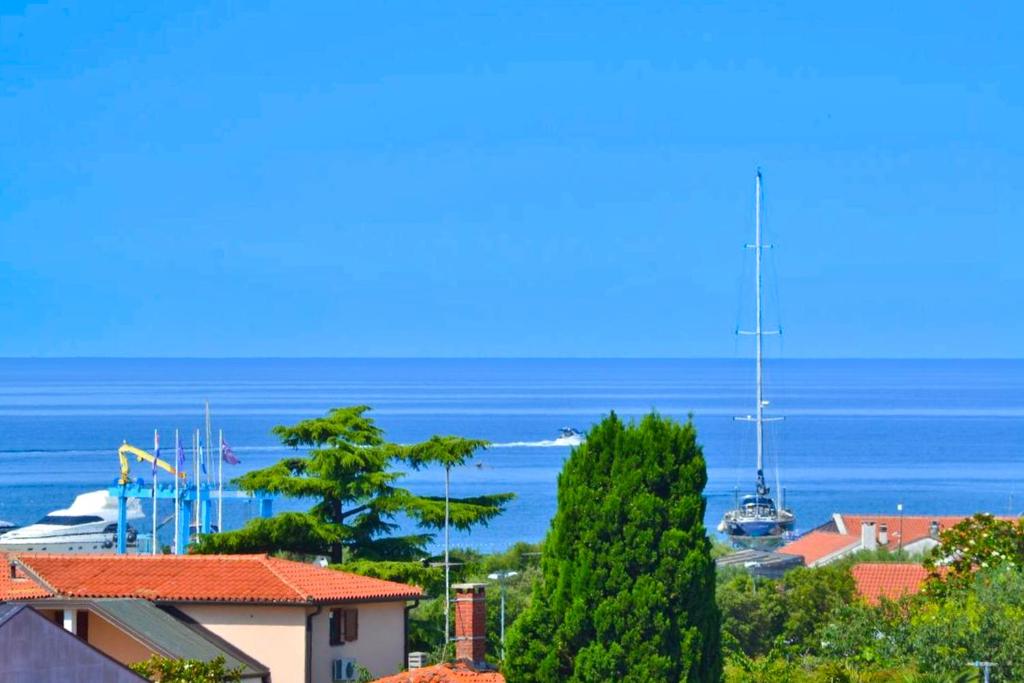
point(199, 578)
point(914, 527)
point(876, 580)
point(817, 545)
point(20, 586)
point(459, 672)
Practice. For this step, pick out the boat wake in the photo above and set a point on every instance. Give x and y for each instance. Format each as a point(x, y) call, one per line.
point(561, 442)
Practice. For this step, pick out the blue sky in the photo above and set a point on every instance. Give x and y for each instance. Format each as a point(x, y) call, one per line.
point(507, 178)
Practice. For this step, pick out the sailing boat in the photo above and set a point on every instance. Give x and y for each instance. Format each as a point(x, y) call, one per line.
point(757, 516)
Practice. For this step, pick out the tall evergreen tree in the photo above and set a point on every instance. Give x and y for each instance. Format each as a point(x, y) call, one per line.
point(350, 471)
point(628, 583)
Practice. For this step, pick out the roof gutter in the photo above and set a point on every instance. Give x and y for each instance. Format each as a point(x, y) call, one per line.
point(405, 628)
point(309, 642)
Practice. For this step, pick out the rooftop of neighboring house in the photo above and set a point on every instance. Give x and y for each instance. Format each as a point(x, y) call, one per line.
point(458, 672)
point(877, 580)
point(191, 578)
point(34, 648)
point(817, 545)
point(841, 535)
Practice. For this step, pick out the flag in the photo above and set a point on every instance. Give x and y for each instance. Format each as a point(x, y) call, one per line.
point(181, 458)
point(156, 448)
point(202, 457)
point(227, 453)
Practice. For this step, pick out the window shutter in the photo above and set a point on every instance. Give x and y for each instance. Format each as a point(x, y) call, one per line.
point(351, 625)
point(335, 627)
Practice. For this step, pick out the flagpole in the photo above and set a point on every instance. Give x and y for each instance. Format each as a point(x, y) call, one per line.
point(156, 456)
point(177, 500)
point(220, 480)
point(209, 438)
point(196, 455)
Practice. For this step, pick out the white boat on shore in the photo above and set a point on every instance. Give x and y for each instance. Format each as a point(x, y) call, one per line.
point(88, 526)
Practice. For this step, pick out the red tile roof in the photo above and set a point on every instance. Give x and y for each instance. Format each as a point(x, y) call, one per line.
point(914, 527)
point(889, 580)
point(817, 545)
point(19, 587)
point(459, 672)
point(826, 540)
point(196, 578)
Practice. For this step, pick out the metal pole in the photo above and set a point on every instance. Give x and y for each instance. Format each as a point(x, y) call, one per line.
point(502, 584)
point(758, 336)
point(177, 493)
point(899, 507)
point(209, 438)
point(156, 455)
point(220, 480)
point(196, 454)
point(447, 564)
point(501, 577)
point(122, 521)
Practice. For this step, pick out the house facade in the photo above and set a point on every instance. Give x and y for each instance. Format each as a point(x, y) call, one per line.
point(35, 650)
point(285, 622)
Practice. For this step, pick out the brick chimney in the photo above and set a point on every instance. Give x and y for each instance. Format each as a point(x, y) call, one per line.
point(470, 622)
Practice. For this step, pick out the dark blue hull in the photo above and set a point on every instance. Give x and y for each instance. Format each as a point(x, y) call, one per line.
point(759, 528)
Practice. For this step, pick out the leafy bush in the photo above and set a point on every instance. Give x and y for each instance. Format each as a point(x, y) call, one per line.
point(166, 670)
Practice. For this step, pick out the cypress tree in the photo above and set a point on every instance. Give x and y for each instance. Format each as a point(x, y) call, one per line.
point(628, 583)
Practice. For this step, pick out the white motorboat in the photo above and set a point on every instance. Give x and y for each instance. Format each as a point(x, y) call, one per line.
point(88, 526)
point(569, 436)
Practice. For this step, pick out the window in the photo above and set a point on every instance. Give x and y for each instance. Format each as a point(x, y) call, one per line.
point(343, 625)
point(82, 624)
point(69, 520)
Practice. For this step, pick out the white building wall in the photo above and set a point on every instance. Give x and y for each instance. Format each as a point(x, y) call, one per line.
point(380, 646)
point(273, 636)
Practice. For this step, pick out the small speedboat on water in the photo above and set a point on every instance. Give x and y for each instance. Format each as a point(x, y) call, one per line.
point(88, 526)
point(569, 436)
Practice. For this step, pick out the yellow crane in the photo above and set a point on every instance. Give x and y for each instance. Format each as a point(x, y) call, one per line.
point(127, 449)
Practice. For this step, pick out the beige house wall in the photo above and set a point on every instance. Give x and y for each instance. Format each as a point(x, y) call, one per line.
point(273, 636)
point(114, 642)
point(109, 639)
point(380, 646)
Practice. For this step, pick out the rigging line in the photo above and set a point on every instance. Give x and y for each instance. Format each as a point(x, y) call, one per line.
point(744, 274)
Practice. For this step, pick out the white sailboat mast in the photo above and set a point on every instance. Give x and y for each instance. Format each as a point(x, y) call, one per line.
point(758, 334)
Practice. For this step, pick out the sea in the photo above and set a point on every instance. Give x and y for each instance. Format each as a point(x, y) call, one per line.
point(937, 436)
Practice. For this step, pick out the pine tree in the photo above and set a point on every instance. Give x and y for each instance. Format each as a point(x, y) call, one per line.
point(350, 471)
point(628, 583)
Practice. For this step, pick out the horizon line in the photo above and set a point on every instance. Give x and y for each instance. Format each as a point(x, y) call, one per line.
point(522, 358)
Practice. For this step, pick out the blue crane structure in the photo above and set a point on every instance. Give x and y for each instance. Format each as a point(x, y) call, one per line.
point(184, 494)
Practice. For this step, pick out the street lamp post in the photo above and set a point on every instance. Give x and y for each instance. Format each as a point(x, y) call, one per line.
point(500, 577)
point(899, 508)
point(985, 668)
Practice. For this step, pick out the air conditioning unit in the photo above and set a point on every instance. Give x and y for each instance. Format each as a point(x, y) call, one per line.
point(344, 669)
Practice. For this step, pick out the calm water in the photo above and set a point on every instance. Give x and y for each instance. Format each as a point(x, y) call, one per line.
point(860, 436)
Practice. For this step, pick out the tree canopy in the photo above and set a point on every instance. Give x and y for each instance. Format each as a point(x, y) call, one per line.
point(352, 473)
point(627, 585)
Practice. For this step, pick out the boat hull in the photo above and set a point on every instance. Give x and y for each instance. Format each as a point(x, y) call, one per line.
point(58, 545)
